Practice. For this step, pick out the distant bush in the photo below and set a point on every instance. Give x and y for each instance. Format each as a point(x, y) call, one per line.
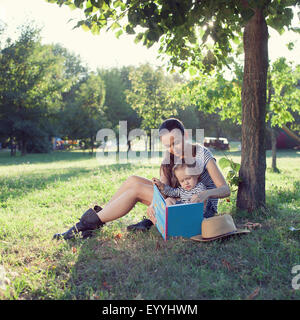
point(39, 145)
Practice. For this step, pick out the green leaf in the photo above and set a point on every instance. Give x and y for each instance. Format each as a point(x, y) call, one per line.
point(115, 25)
point(193, 71)
point(119, 33)
point(296, 29)
point(72, 6)
point(235, 166)
point(78, 3)
point(290, 46)
point(95, 29)
point(224, 162)
point(247, 14)
point(230, 175)
point(139, 37)
point(85, 27)
point(129, 29)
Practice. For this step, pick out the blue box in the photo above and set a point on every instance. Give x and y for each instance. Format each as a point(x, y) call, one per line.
point(179, 220)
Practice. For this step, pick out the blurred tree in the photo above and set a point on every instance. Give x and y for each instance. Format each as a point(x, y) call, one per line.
point(83, 114)
point(283, 98)
point(31, 82)
point(117, 108)
point(150, 96)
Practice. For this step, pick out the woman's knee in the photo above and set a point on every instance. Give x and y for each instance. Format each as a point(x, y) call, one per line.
point(136, 180)
point(133, 180)
point(142, 192)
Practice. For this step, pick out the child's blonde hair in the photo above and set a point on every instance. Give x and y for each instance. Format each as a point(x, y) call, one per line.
point(195, 168)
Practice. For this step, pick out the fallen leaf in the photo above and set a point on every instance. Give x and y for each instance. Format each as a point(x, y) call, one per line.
point(227, 199)
point(106, 285)
point(253, 294)
point(252, 225)
point(118, 236)
point(227, 265)
point(138, 297)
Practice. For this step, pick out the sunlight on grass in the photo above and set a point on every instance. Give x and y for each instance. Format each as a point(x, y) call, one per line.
point(44, 194)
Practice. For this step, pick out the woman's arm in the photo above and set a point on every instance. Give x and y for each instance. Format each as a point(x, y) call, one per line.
point(170, 200)
point(222, 189)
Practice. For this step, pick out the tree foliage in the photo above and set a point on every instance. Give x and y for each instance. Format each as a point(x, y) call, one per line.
point(284, 96)
point(116, 82)
point(196, 34)
point(31, 83)
point(150, 95)
point(83, 113)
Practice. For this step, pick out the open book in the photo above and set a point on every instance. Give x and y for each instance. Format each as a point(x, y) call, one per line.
point(179, 220)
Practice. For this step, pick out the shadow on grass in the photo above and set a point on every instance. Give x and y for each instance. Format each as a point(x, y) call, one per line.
point(281, 153)
point(136, 266)
point(143, 266)
point(35, 158)
point(31, 182)
point(57, 156)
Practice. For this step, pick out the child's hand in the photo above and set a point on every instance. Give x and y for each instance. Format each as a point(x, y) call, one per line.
point(158, 183)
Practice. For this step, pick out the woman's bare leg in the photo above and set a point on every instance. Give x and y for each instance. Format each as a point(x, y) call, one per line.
point(128, 184)
point(119, 206)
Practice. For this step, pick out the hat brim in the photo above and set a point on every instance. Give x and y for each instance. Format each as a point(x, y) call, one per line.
point(236, 232)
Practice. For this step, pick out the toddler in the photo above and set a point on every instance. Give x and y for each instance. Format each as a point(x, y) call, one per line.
point(189, 185)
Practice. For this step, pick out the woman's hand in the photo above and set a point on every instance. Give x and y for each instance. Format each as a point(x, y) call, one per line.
point(151, 211)
point(151, 214)
point(170, 201)
point(158, 183)
point(200, 197)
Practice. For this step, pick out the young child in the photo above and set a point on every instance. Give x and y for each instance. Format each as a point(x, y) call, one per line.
point(189, 185)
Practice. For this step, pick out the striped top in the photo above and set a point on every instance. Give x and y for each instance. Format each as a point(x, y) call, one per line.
point(184, 195)
point(203, 155)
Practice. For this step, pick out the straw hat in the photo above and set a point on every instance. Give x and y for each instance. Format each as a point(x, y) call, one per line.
point(218, 227)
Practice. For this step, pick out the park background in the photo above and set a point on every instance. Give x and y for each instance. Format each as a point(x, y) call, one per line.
point(71, 88)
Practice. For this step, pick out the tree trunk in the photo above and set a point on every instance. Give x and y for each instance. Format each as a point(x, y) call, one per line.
point(92, 145)
point(118, 143)
point(274, 150)
point(128, 145)
point(12, 147)
point(23, 147)
point(251, 191)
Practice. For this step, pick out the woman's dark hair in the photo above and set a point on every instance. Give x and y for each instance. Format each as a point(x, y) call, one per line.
point(166, 168)
point(171, 124)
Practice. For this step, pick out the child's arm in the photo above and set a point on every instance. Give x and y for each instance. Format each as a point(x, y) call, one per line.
point(166, 190)
point(171, 192)
point(159, 184)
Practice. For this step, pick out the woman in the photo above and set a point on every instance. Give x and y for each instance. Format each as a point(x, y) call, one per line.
point(137, 189)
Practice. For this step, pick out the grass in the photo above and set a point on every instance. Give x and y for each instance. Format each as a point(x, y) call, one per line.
point(44, 194)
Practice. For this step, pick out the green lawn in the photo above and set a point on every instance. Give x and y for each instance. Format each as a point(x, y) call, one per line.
point(43, 194)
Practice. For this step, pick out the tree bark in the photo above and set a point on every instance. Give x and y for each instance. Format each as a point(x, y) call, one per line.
point(274, 150)
point(23, 147)
point(251, 191)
